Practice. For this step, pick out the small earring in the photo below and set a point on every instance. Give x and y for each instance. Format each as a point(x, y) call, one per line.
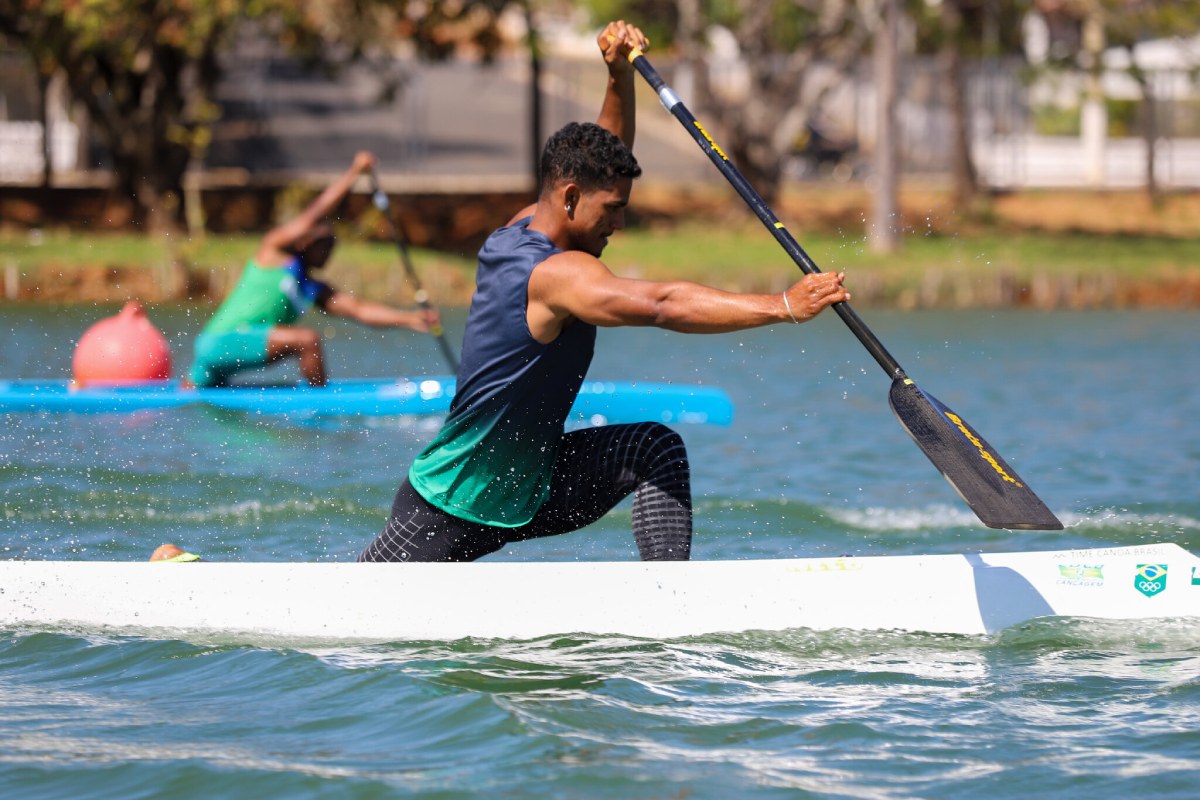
point(568, 207)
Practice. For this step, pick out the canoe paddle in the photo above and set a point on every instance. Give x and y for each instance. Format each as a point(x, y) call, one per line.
point(380, 199)
point(989, 486)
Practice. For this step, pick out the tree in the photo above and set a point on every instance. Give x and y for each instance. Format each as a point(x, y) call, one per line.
point(1086, 28)
point(143, 70)
point(965, 179)
point(885, 233)
point(146, 70)
point(962, 33)
point(779, 44)
point(1130, 23)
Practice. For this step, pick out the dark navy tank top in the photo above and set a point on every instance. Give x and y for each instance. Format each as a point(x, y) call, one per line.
point(493, 458)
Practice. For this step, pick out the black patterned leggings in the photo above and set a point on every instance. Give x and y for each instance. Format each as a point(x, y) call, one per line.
point(595, 470)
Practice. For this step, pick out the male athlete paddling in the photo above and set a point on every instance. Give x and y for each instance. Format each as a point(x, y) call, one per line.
point(255, 325)
point(501, 469)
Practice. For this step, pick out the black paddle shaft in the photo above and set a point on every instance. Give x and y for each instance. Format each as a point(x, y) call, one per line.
point(380, 199)
point(753, 199)
point(989, 486)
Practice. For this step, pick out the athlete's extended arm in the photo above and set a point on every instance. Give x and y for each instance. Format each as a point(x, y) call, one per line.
point(618, 111)
point(575, 284)
point(379, 315)
point(283, 236)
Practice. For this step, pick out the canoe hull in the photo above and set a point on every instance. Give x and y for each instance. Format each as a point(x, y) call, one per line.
point(962, 594)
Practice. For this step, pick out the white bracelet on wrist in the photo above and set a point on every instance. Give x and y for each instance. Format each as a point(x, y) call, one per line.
point(788, 306)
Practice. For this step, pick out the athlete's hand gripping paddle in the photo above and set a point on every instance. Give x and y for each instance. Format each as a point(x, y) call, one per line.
point(993, 490)
point(380, 199)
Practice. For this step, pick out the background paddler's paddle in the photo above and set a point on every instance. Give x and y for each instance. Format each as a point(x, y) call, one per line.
point(419, 294)
point(992, 489)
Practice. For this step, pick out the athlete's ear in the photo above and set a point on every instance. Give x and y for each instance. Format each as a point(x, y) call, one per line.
point(571, 196)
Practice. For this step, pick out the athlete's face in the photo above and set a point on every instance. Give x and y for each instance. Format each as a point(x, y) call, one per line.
point(314, 247)
point(316, 253)
point(595, 214)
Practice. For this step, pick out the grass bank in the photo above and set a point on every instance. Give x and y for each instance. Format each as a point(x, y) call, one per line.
point(991, 268)
point(1036, 249)
point(62, 266)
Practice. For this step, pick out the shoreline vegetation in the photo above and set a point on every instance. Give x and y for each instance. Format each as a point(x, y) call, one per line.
point(1046, 250)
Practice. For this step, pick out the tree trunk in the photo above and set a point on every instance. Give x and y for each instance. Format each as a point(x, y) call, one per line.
point(1150, 135)
point(535, 96)
point(760, 102)
point(137, 113)
point(43, 85)
point(965, 178)
point(1093, 123)
point(885, 230)
point(759, 166)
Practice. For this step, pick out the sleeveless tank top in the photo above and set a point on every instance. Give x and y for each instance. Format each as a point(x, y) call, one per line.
point(267, 296)
point(493, 459)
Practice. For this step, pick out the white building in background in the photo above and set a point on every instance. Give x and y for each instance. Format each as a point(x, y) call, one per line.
point(1094, 158)
point(22, 156)
point(21, 149)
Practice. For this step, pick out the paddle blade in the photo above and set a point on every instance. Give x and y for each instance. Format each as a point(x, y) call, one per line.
point(990, 487)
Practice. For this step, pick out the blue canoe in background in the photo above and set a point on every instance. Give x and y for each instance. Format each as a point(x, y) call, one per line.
point(599, 402)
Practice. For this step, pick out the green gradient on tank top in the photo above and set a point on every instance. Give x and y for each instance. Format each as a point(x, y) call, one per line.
point(486, 467)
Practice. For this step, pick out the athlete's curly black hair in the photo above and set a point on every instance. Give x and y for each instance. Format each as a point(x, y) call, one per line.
point(586, 154)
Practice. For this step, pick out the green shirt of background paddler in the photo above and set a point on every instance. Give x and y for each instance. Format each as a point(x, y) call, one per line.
point(255, 325)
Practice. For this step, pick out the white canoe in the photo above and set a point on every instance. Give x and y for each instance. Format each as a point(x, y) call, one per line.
point(347, 602)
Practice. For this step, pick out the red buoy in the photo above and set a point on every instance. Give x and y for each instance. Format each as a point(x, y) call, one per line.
point(125, 348)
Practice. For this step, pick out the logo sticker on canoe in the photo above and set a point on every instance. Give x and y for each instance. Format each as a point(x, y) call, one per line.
point(1081, 574)
point(839, 564)
point(1150, 579)
point(1195, 576)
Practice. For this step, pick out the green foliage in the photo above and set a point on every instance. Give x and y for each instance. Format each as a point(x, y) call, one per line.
point(791, 22)
point(1050, 120)
point(146, 69)
point(1127, 23)
point(987, 29)
point(659, 20)
point(1123, 119)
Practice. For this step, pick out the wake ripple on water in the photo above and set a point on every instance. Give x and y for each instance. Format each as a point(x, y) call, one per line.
point(821, 712)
